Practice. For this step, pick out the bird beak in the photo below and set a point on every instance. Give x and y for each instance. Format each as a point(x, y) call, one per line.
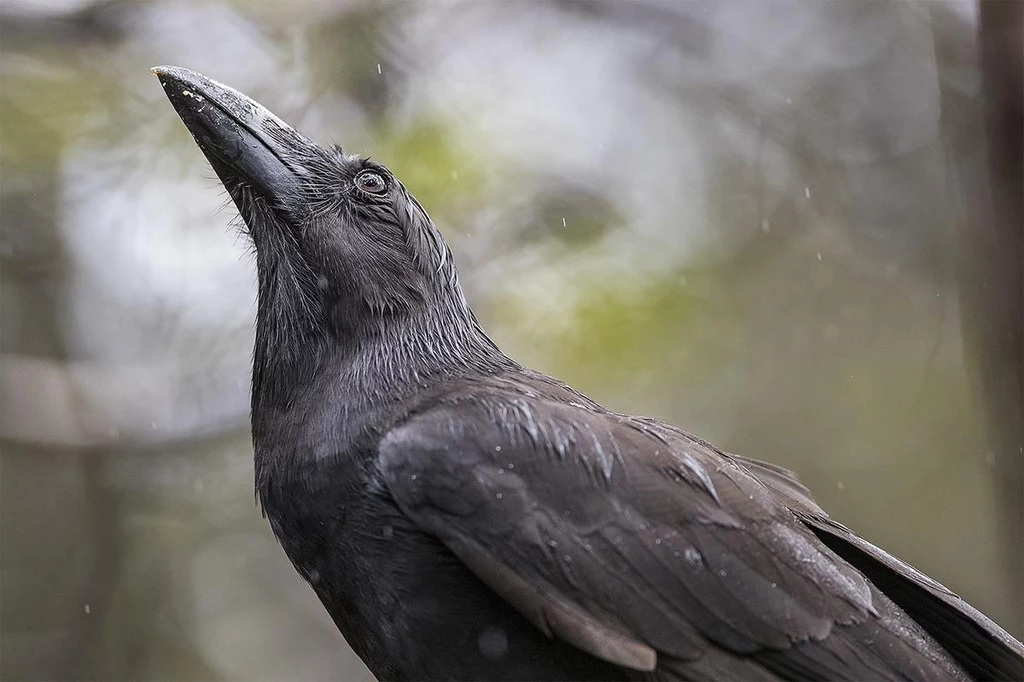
point(243, 140)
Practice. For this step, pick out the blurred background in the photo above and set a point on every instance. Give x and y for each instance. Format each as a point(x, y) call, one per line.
point(791, 227)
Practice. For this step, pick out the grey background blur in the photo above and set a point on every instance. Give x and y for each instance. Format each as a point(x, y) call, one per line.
point(777, 224)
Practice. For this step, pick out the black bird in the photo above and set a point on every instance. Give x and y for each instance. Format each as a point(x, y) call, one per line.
point(463, 517)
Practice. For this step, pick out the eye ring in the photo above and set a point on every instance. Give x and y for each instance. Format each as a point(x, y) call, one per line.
point(370, 182)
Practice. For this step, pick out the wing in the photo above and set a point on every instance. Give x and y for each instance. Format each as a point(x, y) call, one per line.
point(984, 650)
point(643, 546)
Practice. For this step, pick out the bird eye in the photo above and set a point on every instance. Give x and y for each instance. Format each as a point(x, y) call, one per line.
point(370, 182)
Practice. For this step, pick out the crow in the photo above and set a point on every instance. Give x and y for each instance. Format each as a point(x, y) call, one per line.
point(463, 517)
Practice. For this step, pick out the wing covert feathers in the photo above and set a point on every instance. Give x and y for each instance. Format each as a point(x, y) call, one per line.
point(647, 548)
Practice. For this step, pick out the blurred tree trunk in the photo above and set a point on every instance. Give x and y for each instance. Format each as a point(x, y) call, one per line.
point(991, 269)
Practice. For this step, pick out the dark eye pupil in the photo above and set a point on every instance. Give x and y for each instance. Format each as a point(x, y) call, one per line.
point(370, 182)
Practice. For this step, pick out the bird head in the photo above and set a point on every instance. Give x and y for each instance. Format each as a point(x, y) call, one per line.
point(352, 273)
point(341, 245)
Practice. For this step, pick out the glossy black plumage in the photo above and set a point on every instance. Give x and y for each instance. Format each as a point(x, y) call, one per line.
point(463, 517)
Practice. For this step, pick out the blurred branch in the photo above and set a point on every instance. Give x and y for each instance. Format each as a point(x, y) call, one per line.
point(83, 405)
